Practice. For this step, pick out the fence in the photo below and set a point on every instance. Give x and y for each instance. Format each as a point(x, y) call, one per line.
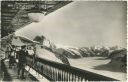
point(54, 71)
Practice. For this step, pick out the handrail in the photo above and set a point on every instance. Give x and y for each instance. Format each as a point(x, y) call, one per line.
point(55, 71)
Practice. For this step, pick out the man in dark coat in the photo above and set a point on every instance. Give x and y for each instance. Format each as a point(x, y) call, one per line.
point(22, 61)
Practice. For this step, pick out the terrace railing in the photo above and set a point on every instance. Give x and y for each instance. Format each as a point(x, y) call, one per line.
point(54, 71)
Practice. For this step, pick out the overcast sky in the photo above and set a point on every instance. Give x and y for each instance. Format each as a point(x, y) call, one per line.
point(83, 23)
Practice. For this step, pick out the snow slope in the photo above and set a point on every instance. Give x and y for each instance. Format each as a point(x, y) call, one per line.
point(42, 53)
point(98, 65)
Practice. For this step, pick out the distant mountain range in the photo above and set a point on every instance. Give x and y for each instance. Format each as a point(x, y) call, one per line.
point(74, 52)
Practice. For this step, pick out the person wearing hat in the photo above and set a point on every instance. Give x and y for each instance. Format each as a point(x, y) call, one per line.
point(22, 61)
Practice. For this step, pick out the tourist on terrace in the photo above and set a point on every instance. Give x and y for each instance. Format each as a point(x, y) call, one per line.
point(22, 61)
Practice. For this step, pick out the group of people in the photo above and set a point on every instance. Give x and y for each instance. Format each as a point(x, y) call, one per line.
point(21, 55)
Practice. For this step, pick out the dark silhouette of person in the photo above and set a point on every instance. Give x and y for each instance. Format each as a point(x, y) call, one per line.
point(22, 61)
point(11, 61)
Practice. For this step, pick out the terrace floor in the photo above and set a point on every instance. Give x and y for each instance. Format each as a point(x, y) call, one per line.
point(11, 74)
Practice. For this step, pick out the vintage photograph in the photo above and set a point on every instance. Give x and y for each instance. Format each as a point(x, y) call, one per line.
point(63, 41)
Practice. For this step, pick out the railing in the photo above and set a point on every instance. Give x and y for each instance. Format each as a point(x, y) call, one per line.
point(54, 71)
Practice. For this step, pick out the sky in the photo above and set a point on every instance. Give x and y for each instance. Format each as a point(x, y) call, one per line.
point(83, 24)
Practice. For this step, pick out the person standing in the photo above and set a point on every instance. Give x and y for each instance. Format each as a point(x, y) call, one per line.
point(22, 61)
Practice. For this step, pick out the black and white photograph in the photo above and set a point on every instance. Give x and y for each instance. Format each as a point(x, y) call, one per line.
point(56, 40)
